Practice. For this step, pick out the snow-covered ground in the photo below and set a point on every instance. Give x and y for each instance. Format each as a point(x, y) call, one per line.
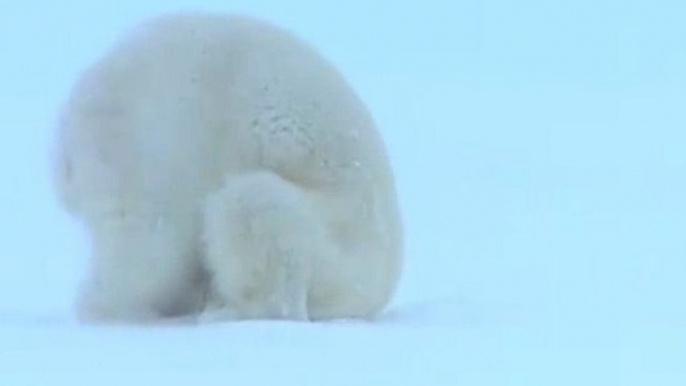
point(540, 149)
point(429, 344)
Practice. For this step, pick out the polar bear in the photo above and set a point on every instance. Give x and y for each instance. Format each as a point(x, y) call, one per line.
point(221, 166)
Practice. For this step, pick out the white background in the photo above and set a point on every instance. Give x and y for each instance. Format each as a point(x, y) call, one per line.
point(540, 152)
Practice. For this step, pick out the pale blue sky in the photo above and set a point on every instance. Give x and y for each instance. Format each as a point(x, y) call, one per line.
point(540, 146)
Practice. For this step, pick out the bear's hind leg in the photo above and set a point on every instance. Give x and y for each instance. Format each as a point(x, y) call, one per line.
point(262, 238)
point(143, 269)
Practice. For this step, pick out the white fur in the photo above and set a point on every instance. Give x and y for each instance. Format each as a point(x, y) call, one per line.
point(220, 164)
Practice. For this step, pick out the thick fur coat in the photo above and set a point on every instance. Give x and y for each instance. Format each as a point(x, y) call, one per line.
point(221, 165)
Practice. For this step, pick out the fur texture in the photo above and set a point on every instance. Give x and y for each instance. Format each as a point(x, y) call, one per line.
point(221, 165)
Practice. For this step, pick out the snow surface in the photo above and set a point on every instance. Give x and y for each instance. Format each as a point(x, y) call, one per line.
point(540, 151)
point(408, 347)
